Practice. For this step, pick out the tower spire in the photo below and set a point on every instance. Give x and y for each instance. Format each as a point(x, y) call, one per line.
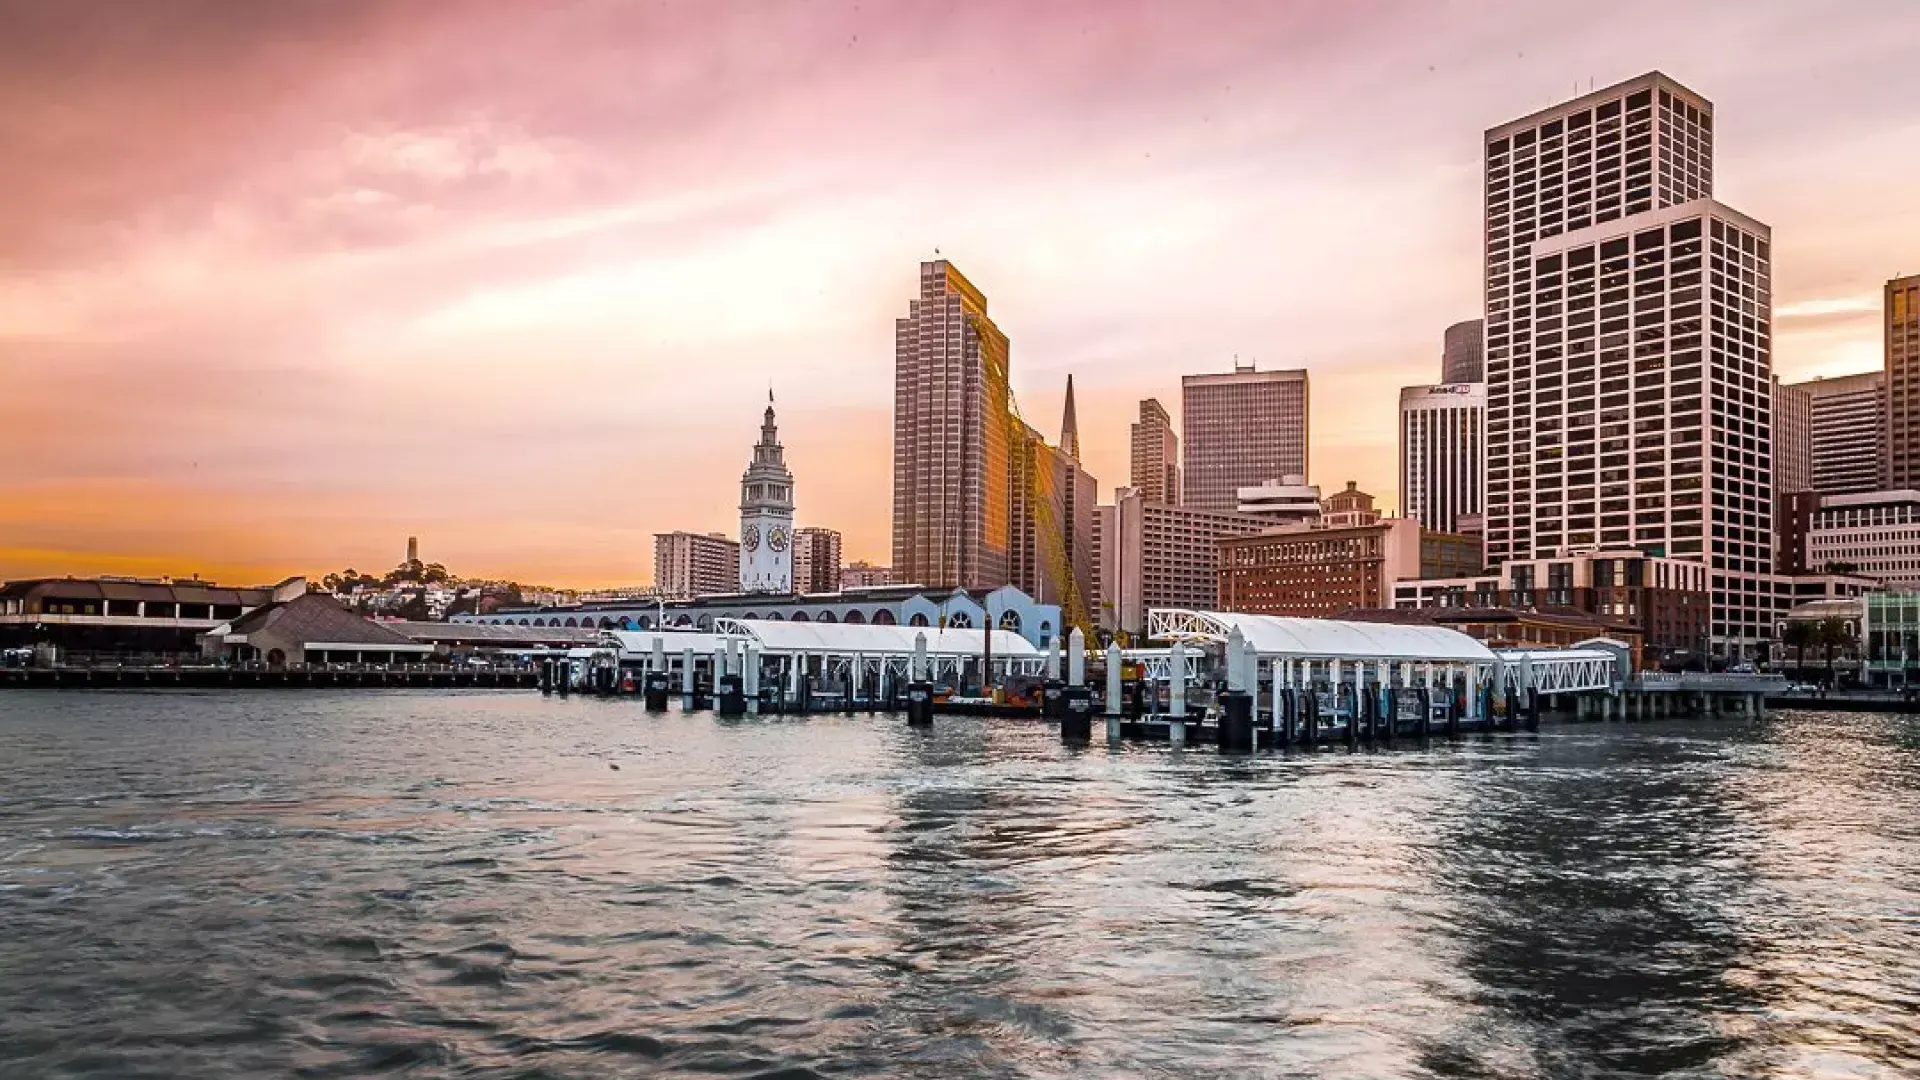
point(1070, 426)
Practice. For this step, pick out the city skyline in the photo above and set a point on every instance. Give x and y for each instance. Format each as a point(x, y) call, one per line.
point(398, 297)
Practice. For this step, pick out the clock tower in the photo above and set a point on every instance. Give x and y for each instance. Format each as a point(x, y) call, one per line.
point(766, 515)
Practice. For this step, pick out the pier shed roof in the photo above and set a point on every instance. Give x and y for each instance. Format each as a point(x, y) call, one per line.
point(848, 639)
point(1322, 639)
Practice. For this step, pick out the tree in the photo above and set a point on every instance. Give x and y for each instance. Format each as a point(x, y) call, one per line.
point(1831, 633)
point(1799, 635)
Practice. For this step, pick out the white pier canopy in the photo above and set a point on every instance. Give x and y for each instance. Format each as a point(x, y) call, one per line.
point(1284, 637)
point(1301, 649)
point(863, 654)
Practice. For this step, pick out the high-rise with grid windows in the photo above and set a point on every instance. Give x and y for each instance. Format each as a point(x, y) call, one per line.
point(1629, 364)
point(952, 465)
point(1902, 403)
point(1240, 430)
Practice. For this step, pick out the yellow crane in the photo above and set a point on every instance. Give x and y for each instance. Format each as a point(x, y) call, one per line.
point(1041, 497)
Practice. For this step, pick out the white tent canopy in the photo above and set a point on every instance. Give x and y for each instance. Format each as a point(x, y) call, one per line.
point(1322, 639)
point(635, 643)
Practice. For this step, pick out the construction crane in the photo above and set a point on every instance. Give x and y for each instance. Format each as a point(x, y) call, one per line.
point(1040, 493)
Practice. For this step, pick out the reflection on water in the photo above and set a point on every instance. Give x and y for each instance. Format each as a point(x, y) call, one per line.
point(503, 885)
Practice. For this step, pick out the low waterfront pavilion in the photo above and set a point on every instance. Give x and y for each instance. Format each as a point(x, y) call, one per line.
point(860, 655)
point(1300, 653)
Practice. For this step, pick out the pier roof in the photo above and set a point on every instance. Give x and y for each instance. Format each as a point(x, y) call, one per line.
point(847, 639)
point(1323, 639)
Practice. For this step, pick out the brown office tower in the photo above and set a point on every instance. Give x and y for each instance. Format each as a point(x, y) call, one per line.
point(951, 469)
point(1903, 383)
point(1156, 455)
point(1241, 430)
point(816, 560)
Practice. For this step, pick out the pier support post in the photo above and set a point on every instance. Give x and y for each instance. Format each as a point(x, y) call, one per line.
point(1076, 720)
point(919, 691)
point(750, 679)
point(1177, 694)
point(686, 678)
point(1114, 704)
point(1236, 721)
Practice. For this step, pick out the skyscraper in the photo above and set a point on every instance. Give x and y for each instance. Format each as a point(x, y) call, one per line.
point(1156, 455)
point(1465, 358)
point(1792, 438)
point(1847, 432)
point(1629, 360)
point(951, 466)
point(816, 560)
point(1443, 453)
point(1903, 383)
point(1241, 429)
point(689, 564)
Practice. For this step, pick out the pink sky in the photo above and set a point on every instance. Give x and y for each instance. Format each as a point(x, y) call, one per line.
point(282, 284)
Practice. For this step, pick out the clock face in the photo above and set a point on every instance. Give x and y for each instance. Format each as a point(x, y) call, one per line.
point(750, 537)
point(777, 538)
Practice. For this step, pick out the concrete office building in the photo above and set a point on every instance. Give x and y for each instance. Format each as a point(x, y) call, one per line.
point(687, 564)
point(816, 560)
point(1792, 438)
point(1241, 429)
point(952, 468)
point(1153, 555)
point(1156, 455)
point(1465, 357)
point(1902, 405)
point(1443, 453)
point(1629, 357)
point(1289, 500)
point(1872, 535)
point(1847, 432)
point(861, 574)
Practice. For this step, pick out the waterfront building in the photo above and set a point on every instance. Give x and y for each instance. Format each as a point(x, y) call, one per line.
point(766, 514)
point(892, 605)
point(861, 574)
point(1847, 432)
point(1443, 453)
point(1156, 555)
point(1902, 402)
point(816, 560)
point(1666, 599)
point(689, 564)
point(311, 628)
point(1322, 571)
point(1156, 455)
point(952, 467)
point(1289, 500)
point(160, 618)
point(1792, 438)
point(1240, 429)
point(1517, 628)
point(1792, 521)
point(1889, 630)
point(1629, 361)
point(1873, 534)
point(1465, 357)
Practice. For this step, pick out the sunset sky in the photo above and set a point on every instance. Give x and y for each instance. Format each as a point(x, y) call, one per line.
point(284, 283)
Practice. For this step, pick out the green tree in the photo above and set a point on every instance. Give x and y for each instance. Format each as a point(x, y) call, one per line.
point(1832, 633)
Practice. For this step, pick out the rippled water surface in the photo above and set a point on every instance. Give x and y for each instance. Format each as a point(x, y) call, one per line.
point(495, 885)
